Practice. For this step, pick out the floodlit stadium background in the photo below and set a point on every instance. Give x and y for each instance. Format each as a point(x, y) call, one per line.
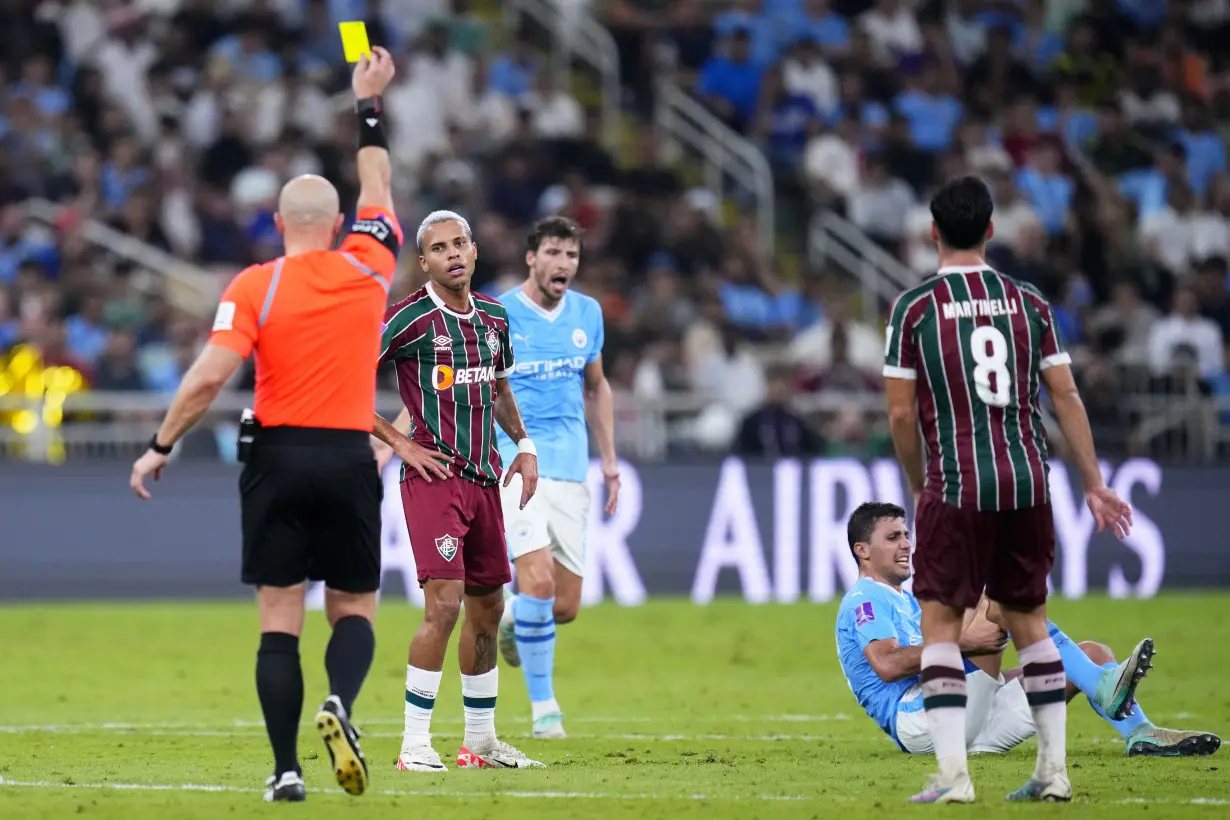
point(747, 224)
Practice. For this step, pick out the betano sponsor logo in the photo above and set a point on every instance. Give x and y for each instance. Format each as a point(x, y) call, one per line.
point(443, 377)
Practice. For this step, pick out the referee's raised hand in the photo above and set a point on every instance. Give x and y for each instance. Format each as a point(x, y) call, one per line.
point(372, 74)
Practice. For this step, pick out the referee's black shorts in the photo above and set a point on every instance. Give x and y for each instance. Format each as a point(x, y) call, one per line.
point(310, 502)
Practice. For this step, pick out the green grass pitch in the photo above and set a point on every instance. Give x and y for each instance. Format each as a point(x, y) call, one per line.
point(141, 711)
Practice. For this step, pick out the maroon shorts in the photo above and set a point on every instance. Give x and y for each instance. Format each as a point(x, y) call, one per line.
point(456, 531)
point(961, 552)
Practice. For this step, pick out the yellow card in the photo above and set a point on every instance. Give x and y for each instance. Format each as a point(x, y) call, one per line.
point(354, 40)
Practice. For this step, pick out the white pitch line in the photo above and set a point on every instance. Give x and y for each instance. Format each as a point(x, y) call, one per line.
point(1192, 801)
point(223, 727)
point(208, 787)
point(248, 732)
point(533, 795)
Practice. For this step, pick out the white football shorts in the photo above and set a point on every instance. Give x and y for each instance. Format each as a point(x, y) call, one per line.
point(557, 517)
point(997, 717)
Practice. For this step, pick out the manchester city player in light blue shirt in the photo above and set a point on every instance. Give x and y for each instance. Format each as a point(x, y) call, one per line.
point(557, 335)
point(879, 645)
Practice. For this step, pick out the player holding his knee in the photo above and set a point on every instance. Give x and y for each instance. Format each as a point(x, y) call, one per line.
point(558, 381)
point(879, 644)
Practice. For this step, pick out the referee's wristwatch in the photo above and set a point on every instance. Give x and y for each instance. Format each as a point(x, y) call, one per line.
point(159, 448)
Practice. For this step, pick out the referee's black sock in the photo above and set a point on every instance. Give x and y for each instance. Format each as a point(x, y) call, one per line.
point(348, 658)
point(279, 685)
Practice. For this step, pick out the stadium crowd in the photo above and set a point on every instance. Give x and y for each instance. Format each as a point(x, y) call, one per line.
point(1100, 125)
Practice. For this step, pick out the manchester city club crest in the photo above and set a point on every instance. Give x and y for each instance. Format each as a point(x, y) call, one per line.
point(493, 340)
point(446, 545)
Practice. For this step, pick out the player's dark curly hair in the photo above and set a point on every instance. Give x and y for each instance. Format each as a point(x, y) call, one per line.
point(863, 521)
point(554, 227)
point(962, 212)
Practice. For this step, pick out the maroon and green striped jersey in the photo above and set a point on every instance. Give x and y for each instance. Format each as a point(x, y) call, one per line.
point(977, 341)
point(447, 364)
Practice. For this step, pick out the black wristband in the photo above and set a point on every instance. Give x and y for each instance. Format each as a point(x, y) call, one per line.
point(158, 448)
point(370, 111)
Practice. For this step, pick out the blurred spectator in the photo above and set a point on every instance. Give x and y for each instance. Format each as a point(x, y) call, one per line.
point(805, 73)
point(729, 81)
point(933, 115)
point(1212, 284)
point(880, 206)
point(998, 75)
point(749, 16)
point(688, 38)
point(838, 339)
point(774, 430)
point(783, 124)
point(556, 112)
point(1125, 325)
point(730, 375)
point(1147, 105)
point(893, 30)
point(21, 242)
point(817, 21)
point(512, 72)
point(117, 368)
point(417, 112)
point(1092, 71)
point(831, 161)
point(1169, 234)
point(1118, 148)
point(1185, 328)
point(1047, 189)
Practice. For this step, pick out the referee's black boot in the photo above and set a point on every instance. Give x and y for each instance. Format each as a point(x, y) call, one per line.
point(285, 789)
point(342, 741)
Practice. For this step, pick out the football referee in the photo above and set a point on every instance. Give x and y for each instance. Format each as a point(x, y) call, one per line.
point(310, 491)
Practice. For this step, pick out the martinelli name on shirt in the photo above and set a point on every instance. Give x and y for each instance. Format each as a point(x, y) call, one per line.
point(981, 307)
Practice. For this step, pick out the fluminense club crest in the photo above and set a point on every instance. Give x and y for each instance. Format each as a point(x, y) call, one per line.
point(493, 340)
point(446, 545)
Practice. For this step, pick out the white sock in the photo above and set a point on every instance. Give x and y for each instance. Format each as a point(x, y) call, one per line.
point(421, 689)
point(546, 707)
point(943, 687)
point(478, 697)
point(1045, 686)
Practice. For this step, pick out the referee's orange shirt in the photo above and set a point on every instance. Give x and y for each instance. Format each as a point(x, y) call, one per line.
point(314, 321)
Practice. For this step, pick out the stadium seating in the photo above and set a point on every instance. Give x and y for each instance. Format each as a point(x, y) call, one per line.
point(1103, 134)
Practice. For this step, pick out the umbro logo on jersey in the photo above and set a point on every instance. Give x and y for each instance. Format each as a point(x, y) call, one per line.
point(371, 122)
point(442, 342)
point(446, 545)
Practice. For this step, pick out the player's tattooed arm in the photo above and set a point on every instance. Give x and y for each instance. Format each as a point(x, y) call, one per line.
point(525, 464)
point(506, 412)
point(393, 433)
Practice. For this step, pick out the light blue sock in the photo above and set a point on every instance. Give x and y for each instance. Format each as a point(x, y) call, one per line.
point(534, 622)
point(1076, 664)
point(1130, 723)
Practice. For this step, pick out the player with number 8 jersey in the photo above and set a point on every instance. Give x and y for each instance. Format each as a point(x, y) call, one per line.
point(966, 355)
point(981, 340)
